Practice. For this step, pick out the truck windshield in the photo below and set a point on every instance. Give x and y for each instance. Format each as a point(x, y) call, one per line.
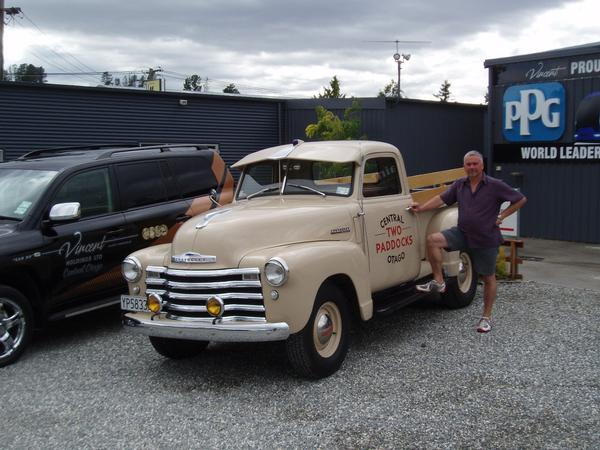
point(20, 189)
point(301, 178)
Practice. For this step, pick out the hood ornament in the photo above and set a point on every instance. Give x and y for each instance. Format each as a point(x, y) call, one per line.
point(193, 258)
point(210, 216)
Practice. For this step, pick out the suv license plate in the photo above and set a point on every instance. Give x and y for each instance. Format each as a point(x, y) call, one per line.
point(134, 303)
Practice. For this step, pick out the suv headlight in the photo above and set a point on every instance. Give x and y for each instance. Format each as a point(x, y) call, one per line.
point(276, 271)
point(131, 269)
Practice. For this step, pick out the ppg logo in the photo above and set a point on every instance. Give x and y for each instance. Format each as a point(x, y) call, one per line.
point(534, 112)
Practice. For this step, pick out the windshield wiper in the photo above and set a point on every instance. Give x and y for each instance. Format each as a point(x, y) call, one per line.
point(9, 218)
point(308, 189)
point(262, 191)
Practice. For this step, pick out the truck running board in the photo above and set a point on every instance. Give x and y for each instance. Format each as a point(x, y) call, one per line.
point(389, 300)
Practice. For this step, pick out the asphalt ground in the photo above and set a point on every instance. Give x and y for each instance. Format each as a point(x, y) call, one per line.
point(420, 378)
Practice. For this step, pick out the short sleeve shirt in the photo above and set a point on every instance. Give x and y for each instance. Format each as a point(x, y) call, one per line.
point(478, 211)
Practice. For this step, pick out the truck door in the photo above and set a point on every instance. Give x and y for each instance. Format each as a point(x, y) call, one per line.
point(392, 235)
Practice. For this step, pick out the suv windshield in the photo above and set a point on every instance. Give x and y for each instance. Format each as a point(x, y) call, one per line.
point(299, 176)
point(20, 189)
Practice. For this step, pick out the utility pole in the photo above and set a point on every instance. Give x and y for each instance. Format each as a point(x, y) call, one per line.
point(1, 40)
point(11, 12)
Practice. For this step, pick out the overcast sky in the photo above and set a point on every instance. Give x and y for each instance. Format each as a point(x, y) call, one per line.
point(292, 49)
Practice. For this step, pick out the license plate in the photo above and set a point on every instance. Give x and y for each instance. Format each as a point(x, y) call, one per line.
point(133, 303)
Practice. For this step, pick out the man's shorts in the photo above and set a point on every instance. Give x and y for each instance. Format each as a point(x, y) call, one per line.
point(484, 259)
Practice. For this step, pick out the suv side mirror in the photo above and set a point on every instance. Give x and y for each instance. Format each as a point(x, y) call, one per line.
point(62, 212)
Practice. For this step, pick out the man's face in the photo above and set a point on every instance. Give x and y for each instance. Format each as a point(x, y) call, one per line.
point(473, 166)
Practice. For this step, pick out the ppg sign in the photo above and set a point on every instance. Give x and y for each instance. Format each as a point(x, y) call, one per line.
point(534, 112)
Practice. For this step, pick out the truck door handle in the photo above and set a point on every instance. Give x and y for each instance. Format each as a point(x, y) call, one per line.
point(182, 218)
point(360, 214)
point(115, 232)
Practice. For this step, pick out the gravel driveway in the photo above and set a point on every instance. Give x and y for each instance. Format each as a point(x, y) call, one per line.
point(421, 378)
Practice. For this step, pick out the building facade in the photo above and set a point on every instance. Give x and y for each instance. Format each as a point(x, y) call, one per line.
point(544, 121)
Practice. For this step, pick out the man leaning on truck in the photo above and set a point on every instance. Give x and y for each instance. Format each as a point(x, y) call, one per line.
point(479, 198)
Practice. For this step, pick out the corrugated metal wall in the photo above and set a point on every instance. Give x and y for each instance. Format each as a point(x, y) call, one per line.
point(434, 135)
point(431, 135)
point(36, 117)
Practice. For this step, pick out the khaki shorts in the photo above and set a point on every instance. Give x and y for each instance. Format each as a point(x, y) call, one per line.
point(484, 259)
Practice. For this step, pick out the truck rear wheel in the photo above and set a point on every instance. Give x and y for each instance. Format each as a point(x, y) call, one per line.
point(460, 290)
point(177, 348)
point(16, 324)
point(320, 348)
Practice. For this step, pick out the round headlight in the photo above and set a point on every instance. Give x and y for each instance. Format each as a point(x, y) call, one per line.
point(131, 269)
point(276, 271)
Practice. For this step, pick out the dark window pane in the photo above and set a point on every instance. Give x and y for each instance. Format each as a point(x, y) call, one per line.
point(140, 184)
point(381, 178)
point(91, 189)
point(194, 176)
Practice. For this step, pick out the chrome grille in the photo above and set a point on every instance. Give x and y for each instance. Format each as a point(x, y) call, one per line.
point(186, 292)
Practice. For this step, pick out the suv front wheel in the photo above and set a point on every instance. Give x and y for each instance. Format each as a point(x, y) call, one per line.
point(16, 324)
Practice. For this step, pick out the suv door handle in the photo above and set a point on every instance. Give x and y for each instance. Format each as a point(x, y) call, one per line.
point(115, 232)
point(182, 218)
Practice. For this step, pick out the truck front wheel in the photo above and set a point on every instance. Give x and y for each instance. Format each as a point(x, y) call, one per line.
point(320, 348)
point(16, 324)
point(177, 348)
point(460, 290)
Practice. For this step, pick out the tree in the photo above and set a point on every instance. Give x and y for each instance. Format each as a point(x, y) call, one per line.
point(27, 73)
point(330, 127)
point(333, 91)
point(391, 90)
point(193, 83)
point(444, 92)
point(107, 79)
point(231, 89)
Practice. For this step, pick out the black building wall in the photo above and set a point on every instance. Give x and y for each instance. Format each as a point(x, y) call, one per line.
point(431, 135)
point(43, 116)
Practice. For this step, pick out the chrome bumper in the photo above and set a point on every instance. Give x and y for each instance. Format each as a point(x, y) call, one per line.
point(234, 331)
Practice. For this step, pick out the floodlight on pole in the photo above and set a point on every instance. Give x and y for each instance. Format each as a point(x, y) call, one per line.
point(402, 58)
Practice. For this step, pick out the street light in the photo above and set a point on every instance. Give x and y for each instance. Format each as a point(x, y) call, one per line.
point(399, 60)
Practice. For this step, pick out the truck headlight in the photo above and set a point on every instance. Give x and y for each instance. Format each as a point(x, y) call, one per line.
point(276, 271)
point(131, 269)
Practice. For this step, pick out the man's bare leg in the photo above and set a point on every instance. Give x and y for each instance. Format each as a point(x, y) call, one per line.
point(435, 243)
point(489, 294)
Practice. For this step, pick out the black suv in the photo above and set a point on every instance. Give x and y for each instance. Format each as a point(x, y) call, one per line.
point(69, 216)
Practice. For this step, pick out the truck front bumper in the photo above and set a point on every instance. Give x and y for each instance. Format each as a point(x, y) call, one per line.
point(232, 331)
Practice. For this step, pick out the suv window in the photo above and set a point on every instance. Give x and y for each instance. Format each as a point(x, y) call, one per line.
point(91, 189)
point(193, 175)
point(140, 184)
point(381, 178)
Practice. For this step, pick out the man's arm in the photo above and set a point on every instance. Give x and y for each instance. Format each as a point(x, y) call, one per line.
point(511, 209)
point(432, 203)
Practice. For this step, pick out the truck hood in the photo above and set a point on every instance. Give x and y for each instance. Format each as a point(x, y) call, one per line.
point(230, 232)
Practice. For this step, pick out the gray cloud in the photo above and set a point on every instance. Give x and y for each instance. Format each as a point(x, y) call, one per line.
point(250, 40)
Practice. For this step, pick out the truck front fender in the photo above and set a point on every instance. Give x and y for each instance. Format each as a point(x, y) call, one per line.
point(310, 265)
point(442, 220)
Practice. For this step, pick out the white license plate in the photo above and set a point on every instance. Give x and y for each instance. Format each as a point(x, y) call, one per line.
point(133, 303)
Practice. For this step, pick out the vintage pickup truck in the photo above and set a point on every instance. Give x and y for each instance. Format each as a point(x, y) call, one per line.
point(319, 234)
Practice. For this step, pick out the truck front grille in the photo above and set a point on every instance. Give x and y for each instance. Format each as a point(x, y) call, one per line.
point(186, 292)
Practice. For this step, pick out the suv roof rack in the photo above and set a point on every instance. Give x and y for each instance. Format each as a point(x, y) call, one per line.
point(118, 148)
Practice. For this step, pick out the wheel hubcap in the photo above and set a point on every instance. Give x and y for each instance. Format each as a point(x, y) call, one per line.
point(465, 273)
point(12, 327)
point(327, 329)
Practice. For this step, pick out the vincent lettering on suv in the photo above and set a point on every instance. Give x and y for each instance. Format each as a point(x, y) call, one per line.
point(69, 216)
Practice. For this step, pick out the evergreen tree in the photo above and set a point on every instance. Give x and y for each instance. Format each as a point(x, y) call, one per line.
point(330, 127)
point(333, 91)
point(231, 89)
point(444, 93)
point(193, 83)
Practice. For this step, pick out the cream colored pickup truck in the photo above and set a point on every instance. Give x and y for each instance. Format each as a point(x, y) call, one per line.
point(318, 235)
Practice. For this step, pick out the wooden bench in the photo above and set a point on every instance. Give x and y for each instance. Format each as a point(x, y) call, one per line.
point(513, 258)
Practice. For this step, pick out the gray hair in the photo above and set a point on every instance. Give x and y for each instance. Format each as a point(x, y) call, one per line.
point(473, 153)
